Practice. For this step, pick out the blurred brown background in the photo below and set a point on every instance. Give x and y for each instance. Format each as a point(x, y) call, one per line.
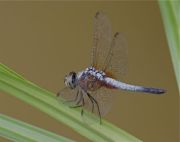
point(45, 40)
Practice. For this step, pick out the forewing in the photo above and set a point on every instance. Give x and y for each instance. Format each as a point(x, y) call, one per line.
point(102, 37)
point(116, 61)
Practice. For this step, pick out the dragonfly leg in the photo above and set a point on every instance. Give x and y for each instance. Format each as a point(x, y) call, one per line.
point(82, 111)
point(75, 99)
point(78, 102)
point(94, 100)
point(91, 102)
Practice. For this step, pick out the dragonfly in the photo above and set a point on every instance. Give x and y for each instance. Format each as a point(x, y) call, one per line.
point(91, 88)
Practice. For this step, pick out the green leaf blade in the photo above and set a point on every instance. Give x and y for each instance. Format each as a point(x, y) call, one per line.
point(171, 18)
point(22, 132)
point(46, 102)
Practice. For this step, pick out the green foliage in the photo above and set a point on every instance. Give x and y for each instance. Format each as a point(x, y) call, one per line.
point(170, 11)
point(17, 86)
point(22, 132)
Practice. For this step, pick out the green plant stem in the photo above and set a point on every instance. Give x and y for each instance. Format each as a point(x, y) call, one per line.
point(18, 131)
point(170, 11)
point(46, 102)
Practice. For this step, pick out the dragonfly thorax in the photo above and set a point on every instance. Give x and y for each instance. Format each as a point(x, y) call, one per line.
point(90, 79)
point(96, 73)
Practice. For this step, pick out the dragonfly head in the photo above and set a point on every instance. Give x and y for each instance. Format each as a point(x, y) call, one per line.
point(70, 80)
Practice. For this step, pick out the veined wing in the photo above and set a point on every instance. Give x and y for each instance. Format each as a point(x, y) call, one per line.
point(75, 97)
point(104, 98)
point(116, 61)
point(101, 102)
point(93, 102)
point(109, 53)
point(69, 96)
point(102, 37)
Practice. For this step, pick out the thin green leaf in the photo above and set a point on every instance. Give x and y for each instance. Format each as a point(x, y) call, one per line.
point(170, 11)
point(18, 131)
point(46, 101)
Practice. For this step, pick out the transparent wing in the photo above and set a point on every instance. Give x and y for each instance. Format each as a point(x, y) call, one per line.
point(116, 61)
point(104, 98)
point(68, 96)
point(102, 37)
point(103, 101)
point(109, 53)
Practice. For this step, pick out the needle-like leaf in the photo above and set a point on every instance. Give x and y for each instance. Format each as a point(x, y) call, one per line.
point(15, 85)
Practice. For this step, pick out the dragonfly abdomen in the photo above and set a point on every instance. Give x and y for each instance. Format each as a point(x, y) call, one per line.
point(124, 86)
point(153, 90)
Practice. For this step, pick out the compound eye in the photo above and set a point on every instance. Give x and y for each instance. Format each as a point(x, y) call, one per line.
point(73, 77)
